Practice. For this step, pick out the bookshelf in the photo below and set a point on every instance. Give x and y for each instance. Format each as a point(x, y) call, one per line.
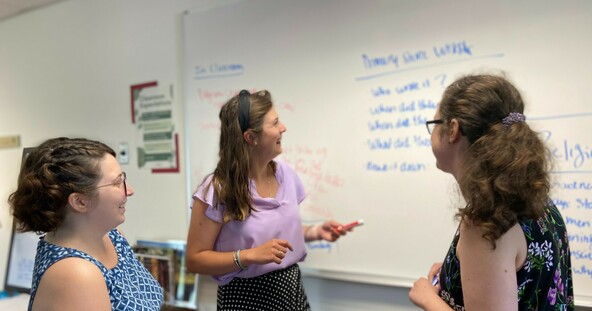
point(166, 262)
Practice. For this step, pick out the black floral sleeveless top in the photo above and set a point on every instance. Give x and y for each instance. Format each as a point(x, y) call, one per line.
point(545, 280)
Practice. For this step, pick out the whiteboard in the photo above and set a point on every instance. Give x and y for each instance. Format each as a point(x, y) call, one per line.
point(21, 261)
point(355, 81)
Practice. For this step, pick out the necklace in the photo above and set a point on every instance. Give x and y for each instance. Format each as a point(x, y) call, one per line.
point(269, 185)
point(269, 179)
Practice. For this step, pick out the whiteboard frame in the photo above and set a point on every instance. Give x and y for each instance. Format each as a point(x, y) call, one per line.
point(400, 282)
point(9, 284)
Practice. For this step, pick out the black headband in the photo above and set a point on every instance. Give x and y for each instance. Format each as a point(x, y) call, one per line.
point(244, 109)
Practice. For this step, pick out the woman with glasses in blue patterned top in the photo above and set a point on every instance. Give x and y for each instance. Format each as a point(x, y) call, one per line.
point(74, 192)
point(511, 250)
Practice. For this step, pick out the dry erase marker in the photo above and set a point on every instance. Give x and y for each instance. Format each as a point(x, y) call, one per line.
point(353, 224)
point(436, 279)
point(348, 226)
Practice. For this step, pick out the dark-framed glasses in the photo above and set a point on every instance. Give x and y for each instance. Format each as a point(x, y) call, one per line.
point(430, 125)
point(120, 180)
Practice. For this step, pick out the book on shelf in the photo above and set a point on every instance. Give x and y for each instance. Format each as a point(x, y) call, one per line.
point(166, 262)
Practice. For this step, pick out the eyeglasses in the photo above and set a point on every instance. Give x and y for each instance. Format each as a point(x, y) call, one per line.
point(121, 181)
point(430, 125)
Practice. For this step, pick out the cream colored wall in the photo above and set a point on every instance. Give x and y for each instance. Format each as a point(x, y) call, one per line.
point(66, 70)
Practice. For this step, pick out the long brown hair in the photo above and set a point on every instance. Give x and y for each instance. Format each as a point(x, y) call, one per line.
point(505, 178)
point(231, 176)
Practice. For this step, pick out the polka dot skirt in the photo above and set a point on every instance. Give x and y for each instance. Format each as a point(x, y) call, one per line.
point(277, 290)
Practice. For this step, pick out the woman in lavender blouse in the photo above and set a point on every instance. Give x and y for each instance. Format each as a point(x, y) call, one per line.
point(245, 226)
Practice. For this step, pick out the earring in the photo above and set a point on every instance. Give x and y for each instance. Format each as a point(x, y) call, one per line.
point(255, 143)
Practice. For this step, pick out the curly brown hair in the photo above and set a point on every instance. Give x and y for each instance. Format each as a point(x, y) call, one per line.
point(505, 178)
point(231, 176)
point(49, 174)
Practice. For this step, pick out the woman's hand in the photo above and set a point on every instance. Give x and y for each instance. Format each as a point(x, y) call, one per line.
point(273, 250)
point(331, 230)
point(424, 292)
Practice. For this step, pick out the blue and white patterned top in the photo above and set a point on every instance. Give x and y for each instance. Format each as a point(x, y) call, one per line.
point(130, 285)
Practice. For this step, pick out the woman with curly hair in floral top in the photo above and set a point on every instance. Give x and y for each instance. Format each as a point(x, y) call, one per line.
point(510, 251)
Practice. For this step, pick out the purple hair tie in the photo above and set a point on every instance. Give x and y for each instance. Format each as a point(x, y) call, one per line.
point(513, 117)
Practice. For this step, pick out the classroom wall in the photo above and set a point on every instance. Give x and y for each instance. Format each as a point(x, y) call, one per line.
point(66, 70)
